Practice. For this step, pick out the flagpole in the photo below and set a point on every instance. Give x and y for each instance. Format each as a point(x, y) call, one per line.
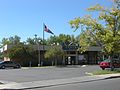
point(43, 41)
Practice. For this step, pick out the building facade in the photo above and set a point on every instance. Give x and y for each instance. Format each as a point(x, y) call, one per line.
point(72, 55)
point(75, 57)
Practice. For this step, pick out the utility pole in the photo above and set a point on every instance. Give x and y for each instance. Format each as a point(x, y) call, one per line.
point(38, 46)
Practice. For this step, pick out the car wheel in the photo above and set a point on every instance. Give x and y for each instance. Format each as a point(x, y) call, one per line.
point(3, 67)
point(112, 68)
point(17, 66)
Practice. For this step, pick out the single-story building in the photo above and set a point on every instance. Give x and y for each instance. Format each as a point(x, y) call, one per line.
point(72, 56)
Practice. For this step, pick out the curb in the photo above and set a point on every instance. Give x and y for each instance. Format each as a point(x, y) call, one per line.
point(67, 66)
point(37, 67)
point(2, 82)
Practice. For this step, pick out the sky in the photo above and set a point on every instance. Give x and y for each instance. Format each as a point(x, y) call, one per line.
point(25, 18)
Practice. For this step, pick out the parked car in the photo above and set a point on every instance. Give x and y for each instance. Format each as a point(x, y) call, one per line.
point(107, 64)
point(9, 64)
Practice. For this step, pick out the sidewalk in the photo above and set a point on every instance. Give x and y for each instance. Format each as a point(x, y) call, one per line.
point(57, 82)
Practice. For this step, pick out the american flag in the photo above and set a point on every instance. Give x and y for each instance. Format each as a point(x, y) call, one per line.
point(47, 30)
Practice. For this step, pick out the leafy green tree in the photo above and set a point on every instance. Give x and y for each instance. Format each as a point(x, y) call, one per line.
point(54, 52)
point(22, 53)
point(11, 40)
point(4, 42)
point(52, 40)
point(1, 56)
point(105, 34)
point(14, 40)
point(33, 41)
point(62, 38)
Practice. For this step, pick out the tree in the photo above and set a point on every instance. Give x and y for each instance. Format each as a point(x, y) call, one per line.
point(105, 34)
point(11, 40)
point(54, 52)
point(4, 42)
point(34, 41)
point(22, 53)
point(14, 40)
point(52, 40)
point(62, 38)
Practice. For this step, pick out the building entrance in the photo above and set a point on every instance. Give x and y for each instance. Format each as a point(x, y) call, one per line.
point(70, 60)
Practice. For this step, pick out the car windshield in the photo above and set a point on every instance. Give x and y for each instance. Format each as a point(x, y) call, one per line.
point(1, 62)
point(106, 60)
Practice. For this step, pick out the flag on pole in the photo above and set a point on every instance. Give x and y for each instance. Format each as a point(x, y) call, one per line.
point(47, 30)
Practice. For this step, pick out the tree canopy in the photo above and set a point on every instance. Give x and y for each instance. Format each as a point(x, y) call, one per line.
point(62, 38)
point(11, 40)
point(103, 31)
point(54, 53)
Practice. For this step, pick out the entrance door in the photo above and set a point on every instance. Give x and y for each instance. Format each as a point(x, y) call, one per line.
point(70, 60)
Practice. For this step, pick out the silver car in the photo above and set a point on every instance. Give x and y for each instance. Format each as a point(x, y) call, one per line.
point(9, 64)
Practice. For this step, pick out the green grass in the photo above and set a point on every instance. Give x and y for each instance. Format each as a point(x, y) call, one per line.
point(102, 72)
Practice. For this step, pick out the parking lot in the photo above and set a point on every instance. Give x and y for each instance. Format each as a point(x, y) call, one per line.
point(27, 74)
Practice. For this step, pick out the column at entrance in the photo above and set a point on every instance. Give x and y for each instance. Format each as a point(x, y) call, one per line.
point(76, 58)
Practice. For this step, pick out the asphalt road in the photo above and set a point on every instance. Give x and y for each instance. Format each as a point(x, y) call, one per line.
point(38, 74)
point(107, 84)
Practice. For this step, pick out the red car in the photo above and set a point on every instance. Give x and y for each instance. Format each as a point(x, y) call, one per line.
point(106, 64)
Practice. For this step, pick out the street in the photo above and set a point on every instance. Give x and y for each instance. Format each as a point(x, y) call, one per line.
point(57, 78)
point(38, 74)
point(108, 84)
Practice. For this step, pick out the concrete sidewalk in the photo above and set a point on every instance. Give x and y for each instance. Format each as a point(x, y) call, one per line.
point(57, 82)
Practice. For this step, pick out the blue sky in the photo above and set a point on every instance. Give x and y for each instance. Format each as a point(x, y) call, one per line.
point(25, 18)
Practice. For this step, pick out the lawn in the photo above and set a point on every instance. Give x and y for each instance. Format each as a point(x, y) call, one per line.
point(102, 72)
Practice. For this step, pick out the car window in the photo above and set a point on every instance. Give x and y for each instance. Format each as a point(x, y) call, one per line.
point(10, 62)
point(6, 62)
point(1, 62)
point(106, 60)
